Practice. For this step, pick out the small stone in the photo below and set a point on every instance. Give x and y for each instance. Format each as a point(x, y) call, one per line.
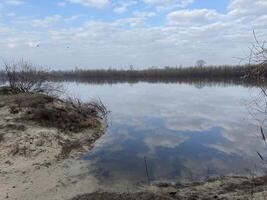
point(8, 162)
point(37, 167)
point(163, 185)
point(172, 193)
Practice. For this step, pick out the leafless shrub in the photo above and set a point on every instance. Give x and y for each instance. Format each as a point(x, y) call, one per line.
point(100, 109)
point(258, 71)
point(258, 59)
point(24, 76)
point(93, 108)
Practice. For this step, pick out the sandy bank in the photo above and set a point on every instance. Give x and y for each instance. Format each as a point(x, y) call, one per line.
point(225, 188)
point(38, 147)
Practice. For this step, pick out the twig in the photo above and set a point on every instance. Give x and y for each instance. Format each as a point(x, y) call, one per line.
point(147, 175)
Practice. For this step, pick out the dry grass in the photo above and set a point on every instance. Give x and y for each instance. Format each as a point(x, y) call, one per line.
point(49, 111)
point(122, 196)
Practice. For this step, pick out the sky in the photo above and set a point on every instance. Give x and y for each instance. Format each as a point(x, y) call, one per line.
point(65, 34)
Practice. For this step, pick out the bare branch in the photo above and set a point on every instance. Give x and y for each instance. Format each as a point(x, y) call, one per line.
point(23, 76)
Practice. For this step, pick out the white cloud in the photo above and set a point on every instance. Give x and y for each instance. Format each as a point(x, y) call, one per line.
point(91, 3)
point(3, 28)
point(73, 18)
point(260, 22)
point(144, 14)
point(192, 17)
point(15, 2)
point(62, 3)
point(48, 21)
point(187, 35)
point(123, 7)
point(11, 45)
point(163, 140)
point(247, 7)
point(166, 4)
point(120, 9)
point(11, 14)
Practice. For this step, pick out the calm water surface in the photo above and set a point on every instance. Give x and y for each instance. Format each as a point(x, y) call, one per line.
point(185, 133)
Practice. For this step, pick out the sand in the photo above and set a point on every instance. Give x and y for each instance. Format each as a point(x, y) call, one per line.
point(33, 164)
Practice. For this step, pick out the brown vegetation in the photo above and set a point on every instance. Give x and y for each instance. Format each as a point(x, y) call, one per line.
point(195, 75)
point(50, 111)
point(40, 135)
point(122, 196)
point(28, 91)
point(23, 76)
point(225, 188)
point(153, 74)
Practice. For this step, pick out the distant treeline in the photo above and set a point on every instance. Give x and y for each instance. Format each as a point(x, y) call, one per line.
point(167, 74)
point(220, 74)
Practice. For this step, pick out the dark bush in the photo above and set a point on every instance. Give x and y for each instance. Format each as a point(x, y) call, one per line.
point(23, 76)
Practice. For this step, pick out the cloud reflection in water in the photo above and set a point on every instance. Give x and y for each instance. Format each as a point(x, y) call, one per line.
point(185, 133)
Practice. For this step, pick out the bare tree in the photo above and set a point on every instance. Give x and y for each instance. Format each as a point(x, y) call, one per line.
point(201, 63)
point(258, 56)
point(131, 67)
point(23, 76)
point(257, 61)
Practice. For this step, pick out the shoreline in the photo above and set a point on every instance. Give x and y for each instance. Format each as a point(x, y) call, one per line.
point(35, 158)
point(224, 188)
point(40, 160)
